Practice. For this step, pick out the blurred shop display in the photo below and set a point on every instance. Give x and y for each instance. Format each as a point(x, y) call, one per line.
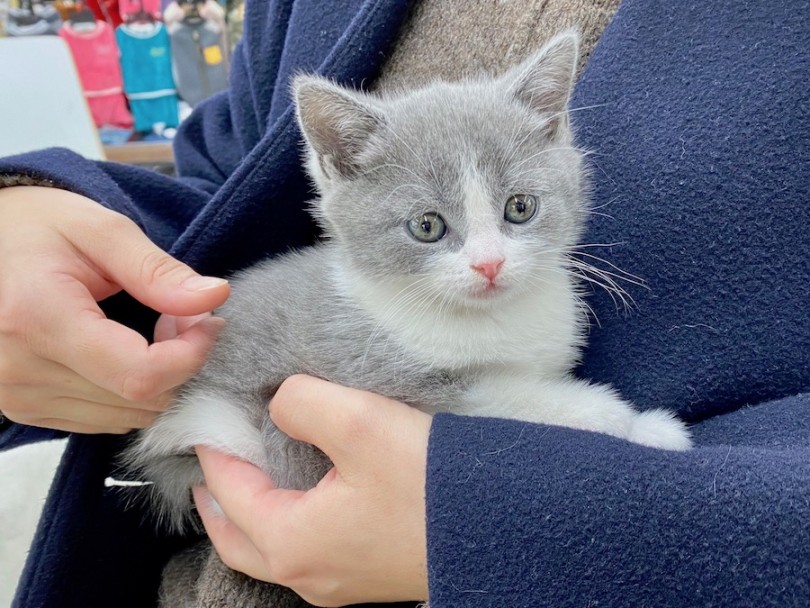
point(199, 48)
point(143, 64)
point(95, 53)
point(32, 18)
point(146, 62)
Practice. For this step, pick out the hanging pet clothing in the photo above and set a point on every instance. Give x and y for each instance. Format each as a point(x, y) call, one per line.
point(147, 67)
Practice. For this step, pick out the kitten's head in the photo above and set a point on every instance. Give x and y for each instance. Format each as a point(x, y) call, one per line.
point(469, 189)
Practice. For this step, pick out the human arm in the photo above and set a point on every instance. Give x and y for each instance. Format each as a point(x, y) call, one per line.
point(550, 516)
point(522, 514)
point(96, 229)
point(106, 227)
point(240, 190)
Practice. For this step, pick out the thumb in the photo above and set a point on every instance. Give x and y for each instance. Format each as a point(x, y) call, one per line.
point(130, 260)
point(349, 425)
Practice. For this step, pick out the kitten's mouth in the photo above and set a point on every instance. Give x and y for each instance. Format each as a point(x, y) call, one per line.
point(490, 290)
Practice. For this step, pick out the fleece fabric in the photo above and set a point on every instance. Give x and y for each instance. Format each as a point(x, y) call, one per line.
point(696, 115)
point(451, 39)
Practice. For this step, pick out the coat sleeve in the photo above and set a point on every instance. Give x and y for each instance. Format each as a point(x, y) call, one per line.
point(525, 515)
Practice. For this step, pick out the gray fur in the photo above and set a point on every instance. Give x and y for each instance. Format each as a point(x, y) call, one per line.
point(378, 162)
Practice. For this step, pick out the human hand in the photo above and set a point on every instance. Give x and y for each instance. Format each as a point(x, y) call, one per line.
point(359, 535)
point(63, 364)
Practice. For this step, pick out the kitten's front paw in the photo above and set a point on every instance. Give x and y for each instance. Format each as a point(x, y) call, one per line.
point(660, 429)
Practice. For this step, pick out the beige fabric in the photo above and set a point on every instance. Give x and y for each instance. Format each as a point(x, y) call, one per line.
point(449, 39)
point(6, 181)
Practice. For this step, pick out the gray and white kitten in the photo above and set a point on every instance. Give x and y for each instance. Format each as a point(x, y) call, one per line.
point(446, 280)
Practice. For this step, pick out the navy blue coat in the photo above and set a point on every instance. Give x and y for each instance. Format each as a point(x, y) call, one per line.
point(699, 117)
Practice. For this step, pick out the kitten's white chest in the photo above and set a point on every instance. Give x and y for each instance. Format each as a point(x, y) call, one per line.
point(538, 330)
point(524, 334)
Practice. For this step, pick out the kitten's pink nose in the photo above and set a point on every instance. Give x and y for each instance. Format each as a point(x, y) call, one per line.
point(489, 269)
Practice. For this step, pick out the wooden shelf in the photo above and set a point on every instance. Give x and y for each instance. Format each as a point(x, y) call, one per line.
point(141, 153)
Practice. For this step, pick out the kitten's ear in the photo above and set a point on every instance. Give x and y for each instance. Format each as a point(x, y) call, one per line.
point(544, 81)
point(336, 123)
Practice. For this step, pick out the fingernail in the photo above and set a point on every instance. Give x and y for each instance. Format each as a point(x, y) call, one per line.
point(200, 283)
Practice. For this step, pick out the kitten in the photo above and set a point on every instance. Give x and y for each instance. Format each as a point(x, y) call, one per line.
point(445, 281)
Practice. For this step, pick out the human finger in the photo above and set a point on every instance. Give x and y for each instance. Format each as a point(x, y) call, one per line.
point(42, 382)
point(345, 423)
point(235, 549)
point(120, 360)
point(69, 426)
point(170, 326)
point(120, 250)
point(39, 392)
point(238, 486)
point(82, 411)
point(110, 251)
point(100, 414)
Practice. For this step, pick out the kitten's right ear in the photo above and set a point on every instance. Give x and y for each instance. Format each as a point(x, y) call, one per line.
point(544, 81)
point(336, 123)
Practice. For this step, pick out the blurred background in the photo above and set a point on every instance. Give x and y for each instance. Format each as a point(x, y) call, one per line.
point(112, 79)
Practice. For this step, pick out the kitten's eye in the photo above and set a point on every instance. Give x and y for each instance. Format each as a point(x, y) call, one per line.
point(520, 208)
point(428, 227)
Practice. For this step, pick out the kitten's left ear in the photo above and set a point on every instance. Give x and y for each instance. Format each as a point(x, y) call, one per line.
point(544, 81)
point(336, 122)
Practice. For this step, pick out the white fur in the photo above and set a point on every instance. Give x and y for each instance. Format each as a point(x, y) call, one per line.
point(484, 243)
point(659, 428)
point(538, 329)
point(204, 419)
point(521, 350)
point(575, 404)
